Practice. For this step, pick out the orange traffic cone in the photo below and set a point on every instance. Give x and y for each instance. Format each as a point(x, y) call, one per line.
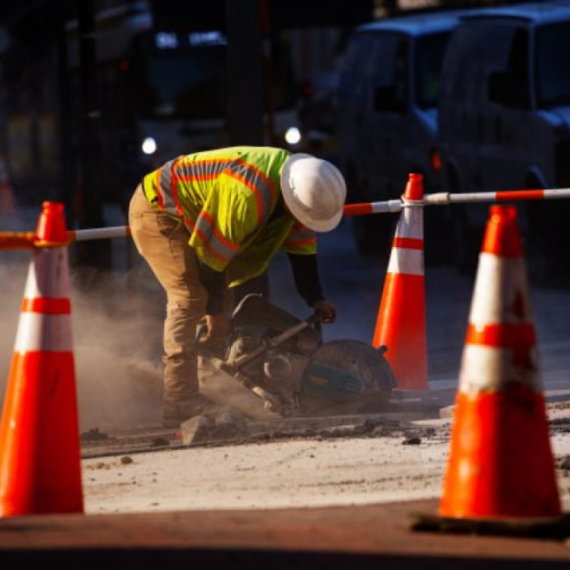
point(401, 323)
point(500, 464)
point(39, 436)
point(7, 202)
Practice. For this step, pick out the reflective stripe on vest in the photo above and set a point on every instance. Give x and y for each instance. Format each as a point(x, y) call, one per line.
point(180, 171)
point(177, 170)
point(257, 182)
point(300, 240)
point(217, 244)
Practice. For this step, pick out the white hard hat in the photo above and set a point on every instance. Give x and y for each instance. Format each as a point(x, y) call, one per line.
point(314, 190)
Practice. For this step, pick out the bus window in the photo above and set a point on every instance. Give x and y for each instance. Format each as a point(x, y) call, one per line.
point(184, 81)
point(553, 85)
point(188, 86)
point(429, 53)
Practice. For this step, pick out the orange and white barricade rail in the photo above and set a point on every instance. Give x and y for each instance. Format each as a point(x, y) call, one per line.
point(390, 206)
point(401, 322)
point(29, 240)
point(17, 240)
point(501, 463)
point(446, 198)
point(25, 240)
point(39, 434)
point(99, 233)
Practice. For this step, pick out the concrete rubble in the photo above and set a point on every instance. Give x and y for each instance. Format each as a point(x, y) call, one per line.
point(225, 425)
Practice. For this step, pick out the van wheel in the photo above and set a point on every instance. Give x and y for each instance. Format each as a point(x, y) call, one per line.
point(373, 234)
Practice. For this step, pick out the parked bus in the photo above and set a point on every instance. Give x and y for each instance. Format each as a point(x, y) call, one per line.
point(160, 94)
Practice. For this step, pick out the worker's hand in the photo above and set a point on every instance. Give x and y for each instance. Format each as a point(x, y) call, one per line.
point(218, 327)
point(326, 310)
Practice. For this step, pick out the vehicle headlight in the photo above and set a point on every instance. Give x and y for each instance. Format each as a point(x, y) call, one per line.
point(149, 145)
point(293, 135)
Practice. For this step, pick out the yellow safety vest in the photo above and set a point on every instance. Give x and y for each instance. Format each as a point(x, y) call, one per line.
point(226, 198)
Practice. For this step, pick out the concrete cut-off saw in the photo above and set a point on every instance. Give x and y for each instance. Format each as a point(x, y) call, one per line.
point(284, 361)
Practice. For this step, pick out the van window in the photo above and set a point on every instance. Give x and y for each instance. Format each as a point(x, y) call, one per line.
point(478, 50)
point(456, 85)
point(391, 80)
point(355, 65)
point(429, 57)
point(553, 65)
point(200, 94)
point(355, 51)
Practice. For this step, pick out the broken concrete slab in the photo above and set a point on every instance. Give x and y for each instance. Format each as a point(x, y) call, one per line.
point(225, 424)
point(197, 430)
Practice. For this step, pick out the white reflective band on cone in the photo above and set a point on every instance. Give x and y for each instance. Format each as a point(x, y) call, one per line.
point(43, 332)
point(412, 224)
point(406, 261)
point(494, 298)
point(487, 368)
point(48, 276)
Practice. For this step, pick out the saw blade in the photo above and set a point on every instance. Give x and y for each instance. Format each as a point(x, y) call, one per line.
point(346, 374)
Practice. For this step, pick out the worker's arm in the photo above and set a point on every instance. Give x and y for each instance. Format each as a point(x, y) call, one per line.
point(306, 274)
point(214, 282)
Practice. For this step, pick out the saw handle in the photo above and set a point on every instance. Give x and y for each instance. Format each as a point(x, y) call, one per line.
point(207, 349)
point(270, 402)
point(279, 339)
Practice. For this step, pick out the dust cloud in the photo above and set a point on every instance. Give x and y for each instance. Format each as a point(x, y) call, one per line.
point(117, 334)
point(13, 270)
point(117, 329)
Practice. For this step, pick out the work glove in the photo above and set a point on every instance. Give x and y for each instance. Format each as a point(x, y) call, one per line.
point(326, 310)
point(218, 327)
point(216, 334)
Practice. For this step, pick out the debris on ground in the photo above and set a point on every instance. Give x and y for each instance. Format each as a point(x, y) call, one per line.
point(412, 440)
point(564, 463)
point(93, 434)
point(99, 465)
point(226, 424)
point(197, 430)
point(446, 412)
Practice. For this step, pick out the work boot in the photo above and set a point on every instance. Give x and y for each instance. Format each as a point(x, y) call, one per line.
point(174, 413)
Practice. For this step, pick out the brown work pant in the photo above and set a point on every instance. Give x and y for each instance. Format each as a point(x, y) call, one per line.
point(163, 242)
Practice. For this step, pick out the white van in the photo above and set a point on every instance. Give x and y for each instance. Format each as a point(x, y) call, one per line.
point(386, 114)
point(505, 122)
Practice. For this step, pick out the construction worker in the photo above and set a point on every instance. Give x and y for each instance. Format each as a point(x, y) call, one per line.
point(212, 220)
